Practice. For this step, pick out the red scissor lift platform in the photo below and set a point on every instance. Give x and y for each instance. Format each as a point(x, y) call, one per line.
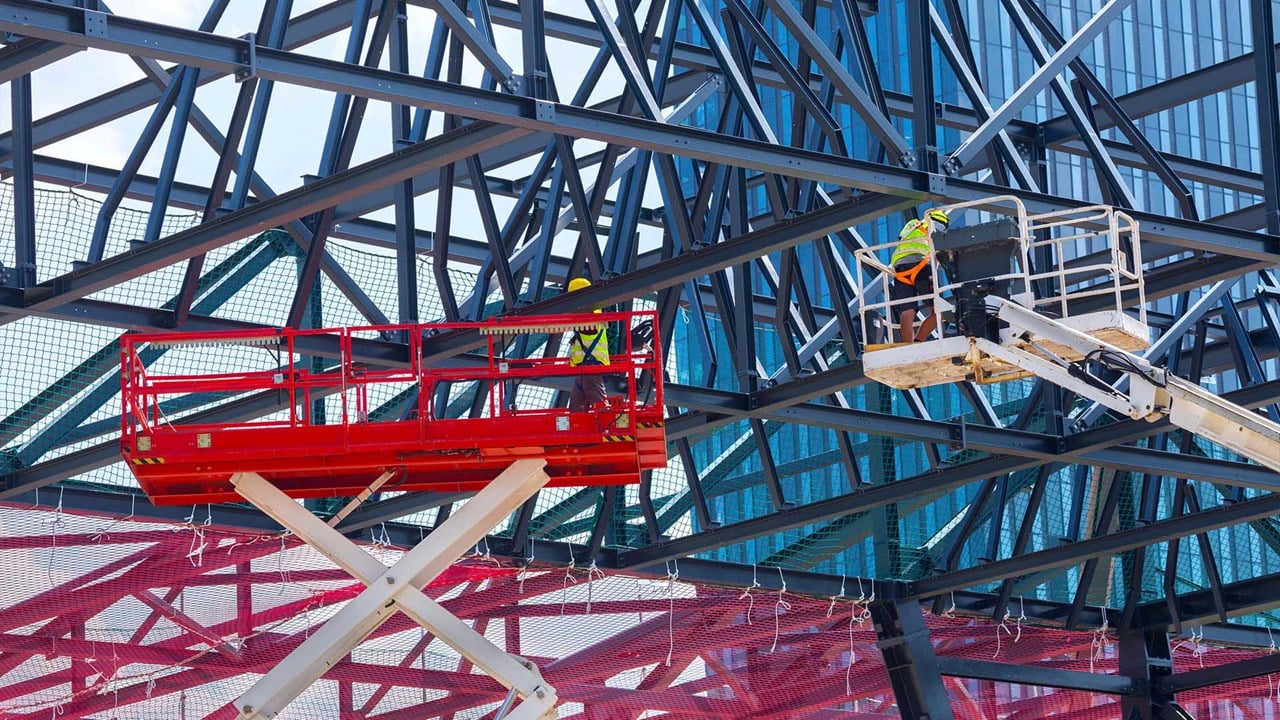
point(177, 462)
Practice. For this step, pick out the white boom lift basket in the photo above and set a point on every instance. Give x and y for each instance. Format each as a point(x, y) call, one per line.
point(1009, 256)
point(1011, 303)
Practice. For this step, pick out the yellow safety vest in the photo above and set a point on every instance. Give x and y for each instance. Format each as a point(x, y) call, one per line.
point(589, 348)
point(913, 240)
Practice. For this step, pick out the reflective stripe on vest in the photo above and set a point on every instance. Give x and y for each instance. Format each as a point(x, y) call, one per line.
point(589, 349)
point(913, 240)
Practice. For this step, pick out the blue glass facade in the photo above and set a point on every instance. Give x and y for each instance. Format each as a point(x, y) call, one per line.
point(1153, 41)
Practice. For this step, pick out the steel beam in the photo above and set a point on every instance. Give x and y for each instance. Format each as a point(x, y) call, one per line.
point(1043, 75)
point(1200, 83)
point(324, 193)
point(1114, 188)
point(26, 56)
point(870, 498)
point(1145, 657)
point(139, 95)
point(848, 88)
point(223, 54)
point(1102, 546)
point(477, 42)
point(1264, 65)
point(24, 193)
point(1033, 674)
point(914, 671)
point(967, 76)
point(1220, 674)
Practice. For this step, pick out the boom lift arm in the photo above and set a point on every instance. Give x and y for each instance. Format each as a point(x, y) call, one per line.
point(1154, 393)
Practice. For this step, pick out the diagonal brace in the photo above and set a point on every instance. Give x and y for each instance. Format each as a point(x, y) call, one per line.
point(1034, 84)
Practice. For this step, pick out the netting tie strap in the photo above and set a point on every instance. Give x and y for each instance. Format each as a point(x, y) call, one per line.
point(1099, 641)
point(83, 182)
point(672, 577)
point(568, 577)
point(834, 598)
point(486, 556)
point(54, 524)
point(779, 608)
point(524, 571)
point(593, 573)
point(853, 655)
point(188, 521)
point(1004, 626)
point(133, 500)
point(746, 594)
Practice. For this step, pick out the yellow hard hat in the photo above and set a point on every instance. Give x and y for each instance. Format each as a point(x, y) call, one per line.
point(578, 283)
point(939, 216)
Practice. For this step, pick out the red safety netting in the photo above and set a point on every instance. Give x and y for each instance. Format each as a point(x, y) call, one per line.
point(117, 619)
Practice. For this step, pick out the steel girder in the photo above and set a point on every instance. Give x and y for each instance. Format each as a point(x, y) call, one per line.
point(700, 264)
point(225, 55)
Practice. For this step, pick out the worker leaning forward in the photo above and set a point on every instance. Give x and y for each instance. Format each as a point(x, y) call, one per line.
point(913, 274)
point(587, 349)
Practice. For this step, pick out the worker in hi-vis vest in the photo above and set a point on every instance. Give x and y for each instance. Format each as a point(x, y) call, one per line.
point(587, 349)
point(913, 273)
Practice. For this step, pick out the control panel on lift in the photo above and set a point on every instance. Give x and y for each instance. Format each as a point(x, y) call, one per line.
point(350, 408)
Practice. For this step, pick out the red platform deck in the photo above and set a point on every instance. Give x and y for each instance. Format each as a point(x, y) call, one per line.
point(189, 463)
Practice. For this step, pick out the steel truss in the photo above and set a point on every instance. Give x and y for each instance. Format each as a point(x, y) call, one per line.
point(724, 258)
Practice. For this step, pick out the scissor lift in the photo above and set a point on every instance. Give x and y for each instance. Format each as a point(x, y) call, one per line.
point(306, 457)
point(1012, 303)
point(505, 454)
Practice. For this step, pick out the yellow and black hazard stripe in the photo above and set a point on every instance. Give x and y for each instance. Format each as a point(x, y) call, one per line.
point(619, 438)
point(643, 426)
point(148, 461)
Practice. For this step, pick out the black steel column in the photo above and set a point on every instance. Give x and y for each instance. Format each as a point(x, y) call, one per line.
point(24, 196)
point(924, 125)
point(406, 222)
point(1145, 656)
point(903, 639)
point(1264, 63)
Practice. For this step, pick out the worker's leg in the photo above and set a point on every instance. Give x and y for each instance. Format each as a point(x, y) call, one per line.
point(906, 326)
point(927, 327)
point(578, 396)
point(904, 303)
point(594, 390)
point(924, 288)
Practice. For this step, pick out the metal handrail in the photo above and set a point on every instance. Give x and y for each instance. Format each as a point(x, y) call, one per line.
point(142, 391)
point(1120, 276)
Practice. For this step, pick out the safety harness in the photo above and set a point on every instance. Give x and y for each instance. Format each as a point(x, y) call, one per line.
point(588, 351)
point(908, 276)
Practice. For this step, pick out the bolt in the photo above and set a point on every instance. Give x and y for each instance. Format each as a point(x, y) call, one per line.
point(247, 709)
